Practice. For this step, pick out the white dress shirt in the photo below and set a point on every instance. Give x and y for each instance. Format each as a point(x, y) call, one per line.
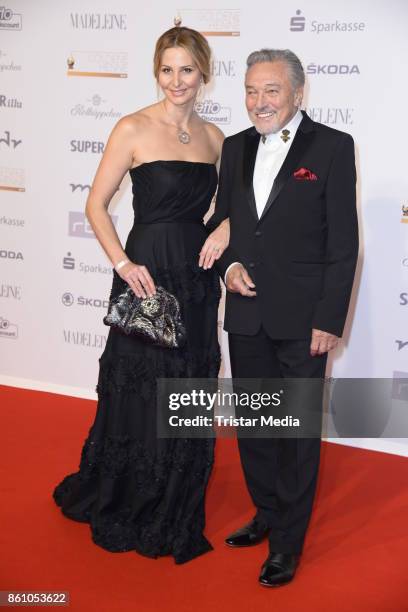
point(269, 160)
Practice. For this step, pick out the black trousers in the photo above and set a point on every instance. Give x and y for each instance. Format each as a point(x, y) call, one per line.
point(280, 473)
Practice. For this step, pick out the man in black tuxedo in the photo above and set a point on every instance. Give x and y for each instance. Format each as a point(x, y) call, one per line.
point(287, 186)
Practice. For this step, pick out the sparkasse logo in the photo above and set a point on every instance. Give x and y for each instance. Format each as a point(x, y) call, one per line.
point(298, 23)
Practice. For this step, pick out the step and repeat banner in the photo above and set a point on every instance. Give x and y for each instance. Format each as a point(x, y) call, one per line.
point(69, 71)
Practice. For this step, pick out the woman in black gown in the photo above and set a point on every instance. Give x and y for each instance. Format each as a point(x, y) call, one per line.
point(139, 492)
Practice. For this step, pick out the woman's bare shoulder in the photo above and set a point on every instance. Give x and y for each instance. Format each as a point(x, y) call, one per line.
point(137, 122)
point(215, 135)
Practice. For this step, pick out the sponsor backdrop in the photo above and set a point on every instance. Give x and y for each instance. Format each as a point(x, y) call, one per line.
point(68, 73)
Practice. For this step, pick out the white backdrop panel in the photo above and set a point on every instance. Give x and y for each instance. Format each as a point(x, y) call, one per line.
point(55, 278)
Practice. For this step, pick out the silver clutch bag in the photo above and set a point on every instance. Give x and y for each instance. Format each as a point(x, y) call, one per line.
point(155, 319)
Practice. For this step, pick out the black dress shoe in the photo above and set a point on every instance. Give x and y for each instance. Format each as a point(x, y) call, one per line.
point(278, 569)
point(250, 534)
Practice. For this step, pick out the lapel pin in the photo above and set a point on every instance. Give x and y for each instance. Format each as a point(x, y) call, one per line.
point(285, 135)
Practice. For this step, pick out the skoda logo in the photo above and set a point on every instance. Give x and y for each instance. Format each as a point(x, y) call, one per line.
point(67, 299)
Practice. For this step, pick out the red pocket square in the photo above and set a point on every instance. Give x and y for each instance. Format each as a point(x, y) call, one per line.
point(303, 174)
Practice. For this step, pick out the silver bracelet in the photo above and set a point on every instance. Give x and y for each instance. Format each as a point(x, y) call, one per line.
point(120, 264)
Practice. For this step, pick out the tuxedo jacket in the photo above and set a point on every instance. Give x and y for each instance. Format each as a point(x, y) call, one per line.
point(302, 252)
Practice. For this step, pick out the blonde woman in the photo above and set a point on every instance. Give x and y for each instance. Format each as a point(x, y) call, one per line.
point(139, 492)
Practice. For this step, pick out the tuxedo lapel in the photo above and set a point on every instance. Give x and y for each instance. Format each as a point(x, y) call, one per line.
point(301, 142)
point(250, 149)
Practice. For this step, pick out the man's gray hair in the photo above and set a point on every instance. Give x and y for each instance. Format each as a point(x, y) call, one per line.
point(297, 74)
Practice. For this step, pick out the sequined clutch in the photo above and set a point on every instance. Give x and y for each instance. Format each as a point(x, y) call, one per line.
point(155, 319)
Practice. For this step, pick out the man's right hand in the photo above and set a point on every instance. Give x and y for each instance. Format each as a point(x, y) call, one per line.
point(239, 281)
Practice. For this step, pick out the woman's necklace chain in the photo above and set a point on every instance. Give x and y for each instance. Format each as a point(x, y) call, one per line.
point(183, 136)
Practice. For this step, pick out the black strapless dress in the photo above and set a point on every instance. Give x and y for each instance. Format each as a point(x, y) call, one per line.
point(136, 491)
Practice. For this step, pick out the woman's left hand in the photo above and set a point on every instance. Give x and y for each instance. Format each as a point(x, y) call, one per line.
point(215, 245)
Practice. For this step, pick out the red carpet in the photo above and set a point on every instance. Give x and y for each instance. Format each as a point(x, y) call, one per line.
point(355, 558)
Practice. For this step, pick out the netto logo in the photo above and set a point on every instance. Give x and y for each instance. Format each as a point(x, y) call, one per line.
point(10, 141)
point(8, 329)
point(401, 344)
point(332, 69)
point(67, 299)
point(5, 14)
point(403, 299)
point(11, 254)
point(9, 20)
point(86, 146)
point(76, 186)
point(213, 112)
point(68, 262)
point(297, 23)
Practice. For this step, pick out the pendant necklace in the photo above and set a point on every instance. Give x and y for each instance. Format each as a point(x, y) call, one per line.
point(183, 136)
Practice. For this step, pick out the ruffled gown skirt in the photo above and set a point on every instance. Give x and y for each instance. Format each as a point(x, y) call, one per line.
point(137, 491)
